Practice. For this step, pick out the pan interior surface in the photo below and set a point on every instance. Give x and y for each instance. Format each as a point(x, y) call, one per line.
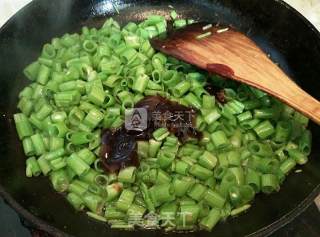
point(280, 31)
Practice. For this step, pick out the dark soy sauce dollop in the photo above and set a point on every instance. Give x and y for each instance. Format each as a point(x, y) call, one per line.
point(118, 150)
point(119, 147)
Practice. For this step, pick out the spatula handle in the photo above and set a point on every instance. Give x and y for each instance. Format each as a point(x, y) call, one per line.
point(305, 103)
point(233, 55)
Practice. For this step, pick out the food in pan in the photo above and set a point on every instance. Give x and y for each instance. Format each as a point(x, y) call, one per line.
point(141, 140)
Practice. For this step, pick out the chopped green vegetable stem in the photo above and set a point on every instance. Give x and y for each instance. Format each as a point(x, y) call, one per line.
point(82, 84)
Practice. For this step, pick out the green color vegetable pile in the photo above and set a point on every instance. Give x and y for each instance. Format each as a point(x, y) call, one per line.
point(83, 83)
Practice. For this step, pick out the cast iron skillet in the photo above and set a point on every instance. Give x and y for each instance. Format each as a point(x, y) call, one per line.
point(278, 29)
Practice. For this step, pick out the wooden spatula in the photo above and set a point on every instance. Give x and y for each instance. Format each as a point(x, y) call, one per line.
point(231, 54)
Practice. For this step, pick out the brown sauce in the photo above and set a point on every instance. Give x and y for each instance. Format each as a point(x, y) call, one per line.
point(119, 147)
point(118, 150)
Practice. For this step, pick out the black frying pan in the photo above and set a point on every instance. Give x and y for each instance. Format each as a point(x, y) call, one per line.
point(277, 28)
